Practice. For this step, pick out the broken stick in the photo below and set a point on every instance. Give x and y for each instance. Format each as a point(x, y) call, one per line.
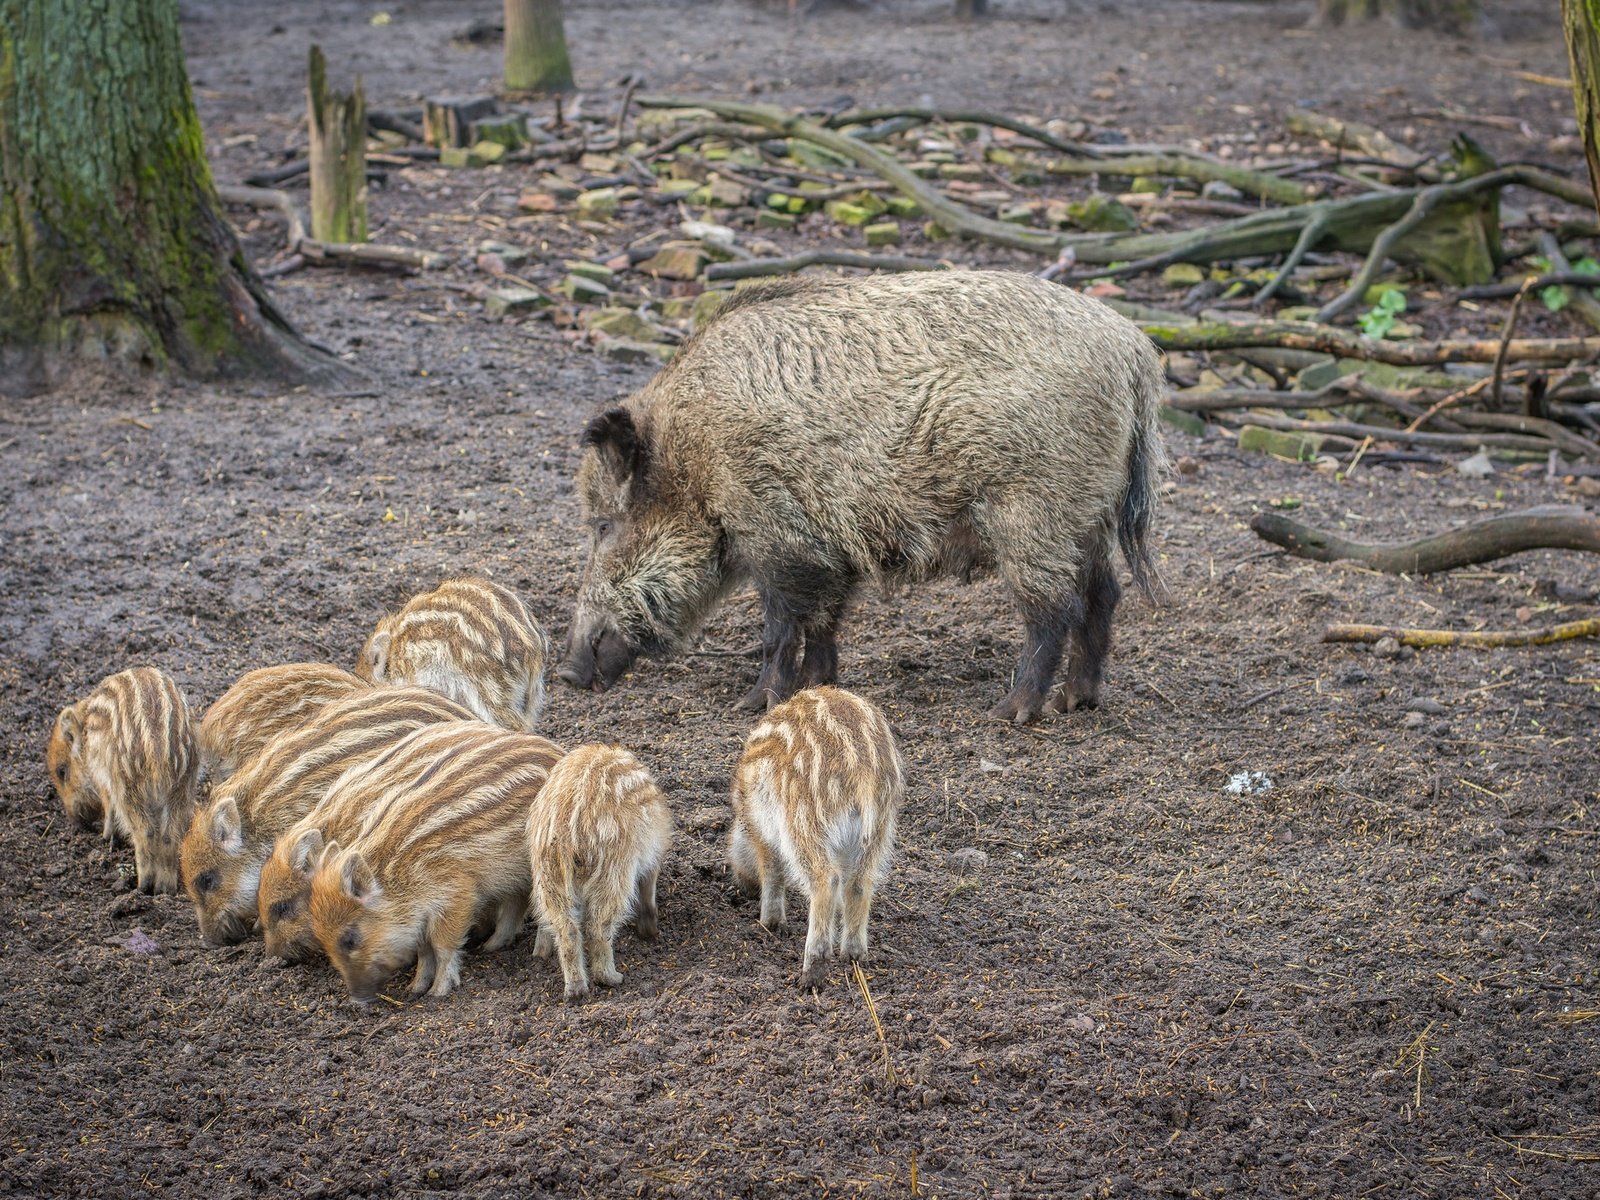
point(1480, 640)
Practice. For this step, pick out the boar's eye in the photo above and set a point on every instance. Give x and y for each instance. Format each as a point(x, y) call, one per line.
point(348, 940)
point(602, 528)
point(61, 772)
point(282, 910)
point(206, 882)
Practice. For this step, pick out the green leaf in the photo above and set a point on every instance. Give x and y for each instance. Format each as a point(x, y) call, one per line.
point(1555, 298)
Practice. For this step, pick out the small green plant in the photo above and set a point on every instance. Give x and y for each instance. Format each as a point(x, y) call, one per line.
point(1556, 297)
point(1378, 320)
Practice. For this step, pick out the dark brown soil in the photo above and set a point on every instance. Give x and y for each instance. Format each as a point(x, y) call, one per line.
point(1377, 977)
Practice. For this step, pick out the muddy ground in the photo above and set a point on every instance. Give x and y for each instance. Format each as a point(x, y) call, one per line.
point(1375, 977)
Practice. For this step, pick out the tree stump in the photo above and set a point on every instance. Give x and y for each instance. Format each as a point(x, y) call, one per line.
point(448, 120)
point(338, 157)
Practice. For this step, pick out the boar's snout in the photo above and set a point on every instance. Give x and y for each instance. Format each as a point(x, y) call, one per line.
point(597, 660)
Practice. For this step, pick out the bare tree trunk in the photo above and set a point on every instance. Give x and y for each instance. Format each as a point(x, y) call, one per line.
point(966, 10)
point(112, 241)
point(1450, 16)
point(1582, 26)
point(536, 47)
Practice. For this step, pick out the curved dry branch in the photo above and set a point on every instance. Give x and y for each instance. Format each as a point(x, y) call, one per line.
point(1482, 541)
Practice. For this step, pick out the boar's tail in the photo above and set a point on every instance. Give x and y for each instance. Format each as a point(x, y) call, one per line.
point(1147, 463)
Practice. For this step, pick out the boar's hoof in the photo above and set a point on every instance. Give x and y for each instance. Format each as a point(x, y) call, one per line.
point(575, 995)
point(1070, 698)
point(1019, 710)
point(646, 928)
point(813, 977)
point(757, 699)
point(608, 979)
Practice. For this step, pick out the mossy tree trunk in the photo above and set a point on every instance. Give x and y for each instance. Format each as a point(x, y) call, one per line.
point(112, 241)
point(536, 47)
point(1581, 20)
point(1451, 16)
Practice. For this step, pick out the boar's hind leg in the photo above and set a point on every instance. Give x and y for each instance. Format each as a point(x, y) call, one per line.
point(821, 662)
point(1099, 590)
point(1046, 626)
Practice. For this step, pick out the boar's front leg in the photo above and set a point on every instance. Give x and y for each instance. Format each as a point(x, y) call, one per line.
point(780, 653)
point(1046, 626)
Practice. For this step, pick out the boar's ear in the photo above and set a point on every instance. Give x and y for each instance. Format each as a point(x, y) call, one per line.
point(360, 884)
point(305, 851)
point(616, 437)
point(227, 829)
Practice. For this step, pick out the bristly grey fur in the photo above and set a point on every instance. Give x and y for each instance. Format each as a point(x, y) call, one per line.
point(827, 433)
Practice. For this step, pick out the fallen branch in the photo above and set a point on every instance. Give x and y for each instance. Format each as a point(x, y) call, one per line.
point(819, 258)
point(298, 244)
point(1353, 135)
point(1407, 437)
point(939, 207)
point(976, 116)
point(1480, 640)
point(1326, 339)
point(697, 132)
point(1203, 170)
point(1423, 204)
point(1349, 224)
point(1482, 541)
point(1504, 291)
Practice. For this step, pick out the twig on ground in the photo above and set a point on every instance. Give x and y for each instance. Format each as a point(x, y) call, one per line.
point(1477, 639)
point(310, 250)
point(1505, 345)
point(872, 1011)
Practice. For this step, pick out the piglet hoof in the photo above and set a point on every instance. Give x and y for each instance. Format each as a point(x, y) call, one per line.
point(774, 924)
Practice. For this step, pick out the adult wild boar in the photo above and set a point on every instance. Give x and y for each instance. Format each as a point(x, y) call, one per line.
point(819, 434)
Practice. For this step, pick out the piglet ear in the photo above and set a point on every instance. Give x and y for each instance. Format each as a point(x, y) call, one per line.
point(360, 884)
point(227, 828)
point(617, 439)
point(71, 727)
point(305, 850)
point(377, 663)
